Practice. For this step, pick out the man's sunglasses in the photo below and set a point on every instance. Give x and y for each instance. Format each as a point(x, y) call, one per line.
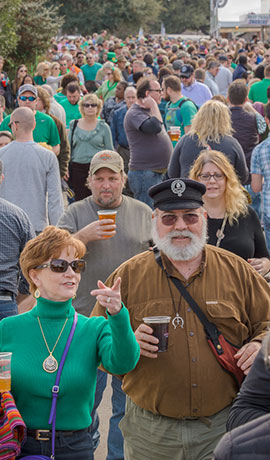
point(61, 265)
point(189, 219)
point(86, 105)
point(28, 98)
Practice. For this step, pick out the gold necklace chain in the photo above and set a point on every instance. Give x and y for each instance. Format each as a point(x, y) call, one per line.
point(44, 338)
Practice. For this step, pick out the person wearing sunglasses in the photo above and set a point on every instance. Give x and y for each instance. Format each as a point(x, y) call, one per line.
point(180, 399)
point(52, 263)
point(87, 136)
point(108, 87)
point(45, 129)
point(232, 224)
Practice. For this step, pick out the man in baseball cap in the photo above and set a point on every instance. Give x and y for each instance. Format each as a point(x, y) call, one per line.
point(45, 130)
point(108, 246)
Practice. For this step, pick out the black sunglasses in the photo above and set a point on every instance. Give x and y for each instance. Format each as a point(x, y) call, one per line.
point(86, 105)
point(11, 123)
point(61, 265)
point(189, 219)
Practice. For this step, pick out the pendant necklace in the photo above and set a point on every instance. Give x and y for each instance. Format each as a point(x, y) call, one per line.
point(177, 320)
point(220, 233)
point(50, 364)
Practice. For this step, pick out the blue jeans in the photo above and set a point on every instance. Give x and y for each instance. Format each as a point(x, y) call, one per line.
point(141, 181)
point(8, 308)
point(266, 224)
point(78, 446)
point(256, 200)
point(115, 438)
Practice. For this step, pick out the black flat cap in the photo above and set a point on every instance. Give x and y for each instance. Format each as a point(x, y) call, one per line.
point(178, 193)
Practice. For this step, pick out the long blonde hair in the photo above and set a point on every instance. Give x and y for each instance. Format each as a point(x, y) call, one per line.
point(235, 196)
point(211, 122)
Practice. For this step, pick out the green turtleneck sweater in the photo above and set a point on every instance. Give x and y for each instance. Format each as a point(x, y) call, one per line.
point(96, 340)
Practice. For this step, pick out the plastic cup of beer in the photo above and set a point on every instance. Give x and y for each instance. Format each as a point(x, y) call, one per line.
point(107, 214)
point(160, 326)
point(174, 133)
point(5, 371)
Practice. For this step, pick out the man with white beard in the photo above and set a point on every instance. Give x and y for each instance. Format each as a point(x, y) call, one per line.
point(178, 401)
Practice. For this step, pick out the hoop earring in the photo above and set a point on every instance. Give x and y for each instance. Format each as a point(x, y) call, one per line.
point(36, 294)
point(74, 297)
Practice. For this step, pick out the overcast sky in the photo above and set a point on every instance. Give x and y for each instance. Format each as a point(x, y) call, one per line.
point(235, 8)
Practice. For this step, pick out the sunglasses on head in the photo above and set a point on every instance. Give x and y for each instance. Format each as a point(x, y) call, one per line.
point(87, 105)
point(189, 219)
point(61, 265)
point(28, 98)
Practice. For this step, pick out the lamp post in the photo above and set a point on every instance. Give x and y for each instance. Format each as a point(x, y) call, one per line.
point(214, 5)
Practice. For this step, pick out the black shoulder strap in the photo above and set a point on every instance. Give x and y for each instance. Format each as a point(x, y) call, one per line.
point(212, 331)
point(185, 100)
point(72, 133)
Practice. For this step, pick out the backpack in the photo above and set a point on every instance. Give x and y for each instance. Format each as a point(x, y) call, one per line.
point(178, 114)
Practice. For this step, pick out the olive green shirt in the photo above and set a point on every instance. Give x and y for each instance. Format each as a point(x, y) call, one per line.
point(187, 380)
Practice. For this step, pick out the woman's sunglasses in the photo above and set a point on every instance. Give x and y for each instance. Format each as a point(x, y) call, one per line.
point(27, 98)
point(86, 105)
point(61, 265)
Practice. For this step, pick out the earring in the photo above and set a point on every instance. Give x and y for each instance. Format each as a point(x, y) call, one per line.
point(75, 295)
point(36, 294)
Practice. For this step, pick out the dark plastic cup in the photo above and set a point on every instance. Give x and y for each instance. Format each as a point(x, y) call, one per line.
point(160, 326)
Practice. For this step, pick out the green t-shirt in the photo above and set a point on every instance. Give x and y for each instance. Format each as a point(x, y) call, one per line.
point(106, 90)
point(89, 72)
point(40, 80)
point(59, 97)
point(95, 341)
point(179, 117)
point(45, 130)
point(258, 91)
point(72, 111)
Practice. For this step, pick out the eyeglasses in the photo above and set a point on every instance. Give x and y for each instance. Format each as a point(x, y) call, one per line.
point(28, 98)
point(109, 73)
point(207, 176)
point(184, 77)
point(23, 70)
point(61, 265)
point(86, 105)
point(189, 219)
point(156, 90)
point(11, 123)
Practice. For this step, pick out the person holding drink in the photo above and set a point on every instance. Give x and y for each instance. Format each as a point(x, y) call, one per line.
point(52, 263)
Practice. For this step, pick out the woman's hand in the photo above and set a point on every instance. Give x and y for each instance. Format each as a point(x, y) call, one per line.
point(261, 265)
point(109, 298)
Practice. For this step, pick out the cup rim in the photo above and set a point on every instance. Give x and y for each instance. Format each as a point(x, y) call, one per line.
point(106, 211)
point(157, 319)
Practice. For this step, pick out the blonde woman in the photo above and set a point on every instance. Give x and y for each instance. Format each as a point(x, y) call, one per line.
point(232, 224)
point(54, 79)
point(87, 136)
point(108, 87)
point(210, 129)
point(42, 73)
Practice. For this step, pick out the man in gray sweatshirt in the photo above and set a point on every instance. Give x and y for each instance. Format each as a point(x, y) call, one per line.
point(32, 179)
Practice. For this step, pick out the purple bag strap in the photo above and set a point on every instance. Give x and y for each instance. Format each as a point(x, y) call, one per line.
point(55, 388)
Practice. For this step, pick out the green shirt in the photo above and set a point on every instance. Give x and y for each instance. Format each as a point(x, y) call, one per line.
point(106, 90)
point(72, 111)
point(95, 341)
point(39, 80)
point(179, 117)
point(45, 130)
point(258, 91)
point(89, 72)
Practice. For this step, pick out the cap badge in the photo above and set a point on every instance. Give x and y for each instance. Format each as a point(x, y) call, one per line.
point(178, 187)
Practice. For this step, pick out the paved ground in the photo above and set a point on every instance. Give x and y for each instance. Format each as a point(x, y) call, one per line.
point(104, 412)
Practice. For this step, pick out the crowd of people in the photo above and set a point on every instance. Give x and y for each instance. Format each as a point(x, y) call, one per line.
point(168, 139)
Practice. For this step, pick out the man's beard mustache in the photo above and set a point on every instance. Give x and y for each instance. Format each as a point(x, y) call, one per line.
point(187, 252)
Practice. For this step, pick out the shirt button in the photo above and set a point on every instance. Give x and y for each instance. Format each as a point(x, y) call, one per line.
point(189, 309)
point(194, 385)
point(195, 410)
point(194, 360)
point(191, 334)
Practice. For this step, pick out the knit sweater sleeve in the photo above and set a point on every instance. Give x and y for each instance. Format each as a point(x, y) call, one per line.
point(118, 349)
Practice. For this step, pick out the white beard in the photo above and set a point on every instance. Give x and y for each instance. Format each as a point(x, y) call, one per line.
point(187, 252)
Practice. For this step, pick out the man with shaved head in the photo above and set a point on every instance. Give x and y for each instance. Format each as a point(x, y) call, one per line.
point(32, 179)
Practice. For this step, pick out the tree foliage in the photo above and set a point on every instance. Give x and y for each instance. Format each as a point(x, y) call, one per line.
point(179, 15)
point(8, 25)
point(121, 17)
point(34, 24)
